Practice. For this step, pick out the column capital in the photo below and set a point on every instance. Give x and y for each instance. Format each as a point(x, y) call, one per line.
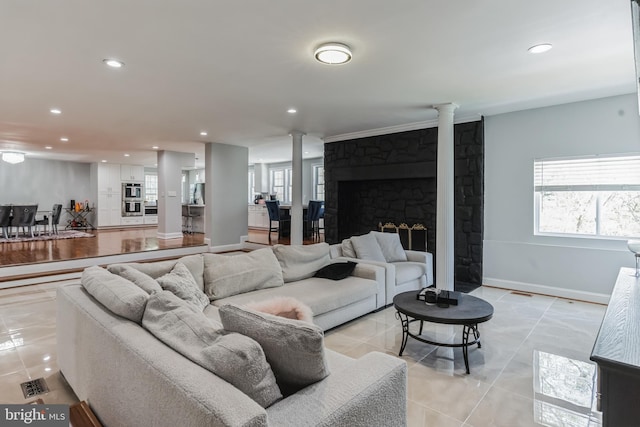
point(449, 107)
point(297, 133)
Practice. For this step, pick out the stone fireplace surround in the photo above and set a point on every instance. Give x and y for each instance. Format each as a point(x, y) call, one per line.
point(392, 178)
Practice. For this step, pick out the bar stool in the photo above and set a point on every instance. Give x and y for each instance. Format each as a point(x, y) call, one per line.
point(187, 220)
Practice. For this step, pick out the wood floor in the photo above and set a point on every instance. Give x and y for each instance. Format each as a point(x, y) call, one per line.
point(111, 242)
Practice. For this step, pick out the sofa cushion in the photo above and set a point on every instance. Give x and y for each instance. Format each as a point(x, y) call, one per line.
point(367, 247)
point(181, 283)
point(301, 261)
point(408, 271)
point(321, 295)
point(156, 269)
point(235, 358)
point(116, 293)
point(347, 249)
point(230, 275)
point(144, 281)
point(336, 270)
point(391, 246)
point(294, 349)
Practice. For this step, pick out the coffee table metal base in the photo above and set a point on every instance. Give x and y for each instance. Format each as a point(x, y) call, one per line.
point(466, 331)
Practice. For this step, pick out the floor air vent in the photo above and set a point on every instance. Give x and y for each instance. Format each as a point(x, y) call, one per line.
point(34, 387)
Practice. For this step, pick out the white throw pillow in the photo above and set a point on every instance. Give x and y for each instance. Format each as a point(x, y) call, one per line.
point(181, 283)
point(301, 261)
point(391, 246)
point(144, 281)
point(367, 247)
point(347, 249)
point(225, 276)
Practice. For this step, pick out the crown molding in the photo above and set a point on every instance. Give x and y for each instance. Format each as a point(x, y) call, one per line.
point(398, 128)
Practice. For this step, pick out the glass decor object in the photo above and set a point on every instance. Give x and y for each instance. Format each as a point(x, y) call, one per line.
point(634, 246)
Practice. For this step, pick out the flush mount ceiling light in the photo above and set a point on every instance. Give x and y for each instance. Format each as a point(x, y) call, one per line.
point(203, 133)
point(292, 111)
point(127, 154)
point(64, 139)
point(48, 147)
point(12, 157)
point(113, 63)
point(333, 53)
point(55, 111)
point(540, 48)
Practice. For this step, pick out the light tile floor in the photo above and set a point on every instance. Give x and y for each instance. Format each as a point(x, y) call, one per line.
point(533, 368)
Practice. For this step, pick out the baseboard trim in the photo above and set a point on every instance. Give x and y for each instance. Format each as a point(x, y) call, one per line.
point(547, 290)
point(165, 236)
point(226, 248)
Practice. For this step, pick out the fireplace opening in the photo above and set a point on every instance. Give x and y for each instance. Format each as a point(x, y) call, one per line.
point(362, 205)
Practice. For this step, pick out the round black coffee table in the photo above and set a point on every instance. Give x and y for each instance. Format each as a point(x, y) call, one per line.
point(469, 312)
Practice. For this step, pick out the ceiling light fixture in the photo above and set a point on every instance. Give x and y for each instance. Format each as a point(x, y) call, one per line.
point(203, 133)
point(64, 139)
point(155, 147)
point(292, 111)
point(113, 63)
point(103, 161)
point(127, 154)
point(333, 53)
point(55, 111)
point(12, 157)
point(48, 147)
point(540, 48)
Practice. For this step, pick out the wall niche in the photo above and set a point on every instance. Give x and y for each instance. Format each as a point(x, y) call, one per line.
point(392, 178)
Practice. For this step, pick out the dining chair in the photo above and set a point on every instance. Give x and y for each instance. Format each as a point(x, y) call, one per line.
point(5, 220)
point(273, 209)
point(56, 210)
point(24, 216)
point(315, 211)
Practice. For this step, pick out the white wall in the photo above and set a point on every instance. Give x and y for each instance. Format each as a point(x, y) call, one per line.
point(515, 258)
point(46, 182)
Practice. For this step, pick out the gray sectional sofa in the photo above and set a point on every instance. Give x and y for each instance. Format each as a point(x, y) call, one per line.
point(130, 377)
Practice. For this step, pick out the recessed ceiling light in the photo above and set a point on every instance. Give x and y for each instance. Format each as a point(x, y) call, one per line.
point(47, 369)
point(203, 133)
point(540, 48)
point(155, 147)
point(292, 111)
point(46, 358)
point(113, 63)
point(48, 147)
point(103, 161)
point(127, 154)
point(333, 53)
point(64, 139)
point(55, 111)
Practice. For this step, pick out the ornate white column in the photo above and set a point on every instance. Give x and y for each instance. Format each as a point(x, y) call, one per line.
point(296, 188)
point(445, 238)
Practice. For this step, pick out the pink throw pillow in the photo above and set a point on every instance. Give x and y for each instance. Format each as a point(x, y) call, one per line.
point(287, 307)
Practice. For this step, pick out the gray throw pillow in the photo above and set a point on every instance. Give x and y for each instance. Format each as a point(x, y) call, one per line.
point(116, 293)
point(347, 249)
point(294, 349)
point(181, 283)
point(144, 281)
point(225, 275)
point(367, 247)
point(391, 246)
point(235, 358)
point(301, 261)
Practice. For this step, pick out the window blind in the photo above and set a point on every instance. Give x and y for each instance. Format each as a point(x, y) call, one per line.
point(593, 174)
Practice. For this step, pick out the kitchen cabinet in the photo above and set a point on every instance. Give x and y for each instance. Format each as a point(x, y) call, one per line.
point(258, 216)
point(151, 219)
point(130, 173)
point(132, 220)
point(106, 180)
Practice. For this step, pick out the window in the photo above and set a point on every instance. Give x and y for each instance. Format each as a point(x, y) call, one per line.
point(318, 182)
point(595, 196)
point(151, 189)
point(281, 184)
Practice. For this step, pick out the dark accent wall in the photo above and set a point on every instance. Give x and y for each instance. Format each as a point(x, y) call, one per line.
point(392, 178)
